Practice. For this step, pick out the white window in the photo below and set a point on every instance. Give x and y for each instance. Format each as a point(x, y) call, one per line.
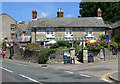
point(39, 31)
point(68, 32)
point(89, 32)
point(50, 32)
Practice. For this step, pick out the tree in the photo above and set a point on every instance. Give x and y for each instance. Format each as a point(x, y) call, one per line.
point(110, 10)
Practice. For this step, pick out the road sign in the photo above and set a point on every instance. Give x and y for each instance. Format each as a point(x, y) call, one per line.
point(107, 37)
point(109, 32)
point(11, 44)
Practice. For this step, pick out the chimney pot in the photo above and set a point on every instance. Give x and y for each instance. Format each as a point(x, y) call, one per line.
point(61, 10)
point(58, 9)
point(34, 14)
point(99, 12)
point(60, 13)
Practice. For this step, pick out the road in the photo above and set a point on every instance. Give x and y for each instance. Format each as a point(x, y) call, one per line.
point(34, 73)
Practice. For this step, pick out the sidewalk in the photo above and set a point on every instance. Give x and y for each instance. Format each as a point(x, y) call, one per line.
point(115, 77)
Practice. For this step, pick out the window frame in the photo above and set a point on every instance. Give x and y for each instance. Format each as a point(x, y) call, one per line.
point(68, 32)
point(13, 28)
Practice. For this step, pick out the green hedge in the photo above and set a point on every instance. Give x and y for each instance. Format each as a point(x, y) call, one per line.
point(62, 43)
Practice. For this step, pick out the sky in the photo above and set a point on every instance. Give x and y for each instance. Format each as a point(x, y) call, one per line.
point(23, 10)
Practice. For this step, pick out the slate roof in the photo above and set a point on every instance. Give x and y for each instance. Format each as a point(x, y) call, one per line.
point(69, 22)
point(21, 28)
point(115, 24)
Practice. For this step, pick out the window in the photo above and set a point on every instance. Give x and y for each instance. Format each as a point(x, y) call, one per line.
point(89, 32)
point(12, 35)
point(40, 31)
point(50, 32)
point(68, 32)
point(12, 26)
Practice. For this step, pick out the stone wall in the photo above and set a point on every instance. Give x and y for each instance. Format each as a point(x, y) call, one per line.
point(60, 32)
point(6, 26)
point(33, 56)
point(59, 56)
point(108, 55)
point(28, 56)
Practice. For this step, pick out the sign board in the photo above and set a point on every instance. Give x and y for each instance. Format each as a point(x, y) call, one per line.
point(101, 54)
point(109, 32)
point(107, 37)
point(11, 44)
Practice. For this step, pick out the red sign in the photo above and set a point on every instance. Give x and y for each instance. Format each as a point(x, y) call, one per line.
point(11, 44)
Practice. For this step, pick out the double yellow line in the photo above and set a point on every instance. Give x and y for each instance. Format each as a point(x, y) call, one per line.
point(103, 77)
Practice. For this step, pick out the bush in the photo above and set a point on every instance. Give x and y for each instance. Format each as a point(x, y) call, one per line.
point(96, 46)
point(102, 37)
point(76, 44)
point(62, 43)
point(44, 55)
point(4, 46)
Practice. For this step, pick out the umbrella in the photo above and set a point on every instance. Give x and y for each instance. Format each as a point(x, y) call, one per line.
point(91, 41)
point(51, 42)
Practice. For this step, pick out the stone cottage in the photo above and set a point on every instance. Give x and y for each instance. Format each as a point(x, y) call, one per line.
point(8, 27)
point(68, 29)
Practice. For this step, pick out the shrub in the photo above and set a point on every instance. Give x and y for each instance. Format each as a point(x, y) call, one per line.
point(4, 46)
point(44, 55)
point(76, 44)
point(102, 37)
point(62, 43)
point(96, 46)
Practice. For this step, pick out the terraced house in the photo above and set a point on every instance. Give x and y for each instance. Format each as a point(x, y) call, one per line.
point(8, 27)
point(68, 29)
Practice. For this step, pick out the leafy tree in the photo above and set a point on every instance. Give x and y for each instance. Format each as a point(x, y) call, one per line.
point(110, 10)
point(116, 38)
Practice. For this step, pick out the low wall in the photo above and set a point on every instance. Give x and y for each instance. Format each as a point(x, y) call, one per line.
point(59, 57)
point(33, 56)
point(108, 55)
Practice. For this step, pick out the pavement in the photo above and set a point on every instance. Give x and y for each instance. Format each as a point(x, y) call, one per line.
point(115, 76)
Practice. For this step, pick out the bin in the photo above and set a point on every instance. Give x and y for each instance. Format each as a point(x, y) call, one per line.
point(66, 59)
point(114, 51)
point(90, 56)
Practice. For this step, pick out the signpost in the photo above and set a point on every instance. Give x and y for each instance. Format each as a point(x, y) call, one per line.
point(107, 38)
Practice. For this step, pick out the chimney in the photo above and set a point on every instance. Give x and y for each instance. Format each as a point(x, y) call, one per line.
point(60, 13)
point(99, 13)
point(34, 14)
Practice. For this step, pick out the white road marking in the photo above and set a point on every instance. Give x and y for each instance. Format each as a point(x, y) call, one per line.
point(7, 70)
point(84, 75)
point(29, 78)
point(69, 72)
point(44, 67)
